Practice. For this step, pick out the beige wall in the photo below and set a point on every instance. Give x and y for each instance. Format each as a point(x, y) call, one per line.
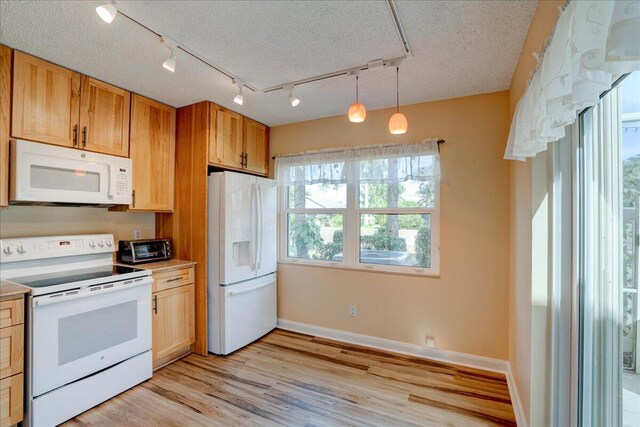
point(29, 221)
point(542, 24)
point(466, 308)
point(527, 318)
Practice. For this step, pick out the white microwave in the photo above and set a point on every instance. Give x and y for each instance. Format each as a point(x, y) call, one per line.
point(50, 175)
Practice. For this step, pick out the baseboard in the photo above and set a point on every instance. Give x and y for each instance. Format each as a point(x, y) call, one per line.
point(463, 359)
point(516, 403)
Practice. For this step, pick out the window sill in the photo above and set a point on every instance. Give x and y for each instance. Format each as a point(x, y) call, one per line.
point(399, 271)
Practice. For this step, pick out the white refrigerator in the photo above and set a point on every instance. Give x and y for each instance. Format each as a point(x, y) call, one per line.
point(242, 260)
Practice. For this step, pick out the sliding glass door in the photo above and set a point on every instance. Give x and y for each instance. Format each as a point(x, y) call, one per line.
point(607, 224)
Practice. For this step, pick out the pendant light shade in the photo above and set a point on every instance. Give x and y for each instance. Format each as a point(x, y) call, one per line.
point(357, 112)
point(398, 123)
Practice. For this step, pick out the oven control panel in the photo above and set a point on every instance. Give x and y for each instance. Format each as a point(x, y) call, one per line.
point(30, 248)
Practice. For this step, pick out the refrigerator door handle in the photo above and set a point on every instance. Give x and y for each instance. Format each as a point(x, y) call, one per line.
point(253, 243)
point(253, 288)
point(260, 223)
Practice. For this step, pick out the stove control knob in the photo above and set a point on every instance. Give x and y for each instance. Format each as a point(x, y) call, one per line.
point(7, 250)
point(92, 244)
point(100, 243)
point(21, 249)
point(109, 244)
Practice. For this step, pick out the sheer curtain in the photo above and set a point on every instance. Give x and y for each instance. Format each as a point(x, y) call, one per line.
point(416, 162)
point(594, 43)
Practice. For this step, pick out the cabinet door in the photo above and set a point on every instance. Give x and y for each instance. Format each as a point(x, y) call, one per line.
point(45, 101)
point(173, 320)
point(226, 140)
point(11, 407)
point(153, 144)
point(256, 146)
point(5, 121)
point(104, 118)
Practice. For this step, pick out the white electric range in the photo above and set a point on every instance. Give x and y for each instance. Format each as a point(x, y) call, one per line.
point(88, 323)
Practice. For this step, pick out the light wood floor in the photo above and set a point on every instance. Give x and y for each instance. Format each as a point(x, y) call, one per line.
point(292, 379)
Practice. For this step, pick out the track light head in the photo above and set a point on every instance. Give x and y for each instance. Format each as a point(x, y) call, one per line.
point(170, 63)
point(239, 98)
point(107, 12)
point(292, 98)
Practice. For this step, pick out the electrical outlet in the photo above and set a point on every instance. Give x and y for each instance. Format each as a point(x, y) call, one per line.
point(431, 342)
point(353, 311)
point(137, 233)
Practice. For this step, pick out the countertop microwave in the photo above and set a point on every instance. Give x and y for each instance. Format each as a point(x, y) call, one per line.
point(43, 174)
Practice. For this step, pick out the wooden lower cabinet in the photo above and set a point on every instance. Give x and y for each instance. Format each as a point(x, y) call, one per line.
point(11, 403)
point(11, 361)
point(173, 319)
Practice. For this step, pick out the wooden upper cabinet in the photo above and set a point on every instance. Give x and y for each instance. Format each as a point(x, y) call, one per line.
point(153, 142)
point(226, 140)
point(45, 101)
point(104, 117)
point(256, 146)
point(5, 122)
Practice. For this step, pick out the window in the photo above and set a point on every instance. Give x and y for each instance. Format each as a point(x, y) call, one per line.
point(373, 208)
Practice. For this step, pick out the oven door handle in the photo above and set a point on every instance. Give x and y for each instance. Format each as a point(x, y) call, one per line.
point(40, 301)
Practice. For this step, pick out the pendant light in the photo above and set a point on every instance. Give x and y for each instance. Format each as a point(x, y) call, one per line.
point(357, 112)
point(398, 122)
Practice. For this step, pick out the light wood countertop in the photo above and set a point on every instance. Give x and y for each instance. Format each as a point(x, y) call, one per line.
point(10, 290)
point(163, 265)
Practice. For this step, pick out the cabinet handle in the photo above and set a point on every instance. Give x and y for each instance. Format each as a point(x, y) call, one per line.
point(244, 159)
point(75, 135)
point(84, 136)
point(155, 304)
point(133, 197)
point(175, 279)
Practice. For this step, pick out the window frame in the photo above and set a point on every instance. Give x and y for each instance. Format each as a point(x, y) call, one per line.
point(351, 230)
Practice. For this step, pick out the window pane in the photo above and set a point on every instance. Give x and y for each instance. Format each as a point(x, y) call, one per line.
point(396, 239)
point(407, 194)
point(317, 196)
point(315, 236)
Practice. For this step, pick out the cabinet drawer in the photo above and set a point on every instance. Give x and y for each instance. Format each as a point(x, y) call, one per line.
point(11, 400)
point(11, 312)
point(172, 278)
point(11, 350)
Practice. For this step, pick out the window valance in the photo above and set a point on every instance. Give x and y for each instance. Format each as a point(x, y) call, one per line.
point(384, 163)
point(594, 43)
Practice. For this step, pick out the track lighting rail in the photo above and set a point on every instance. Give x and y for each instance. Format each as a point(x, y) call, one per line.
point(190, 52)
point(386, 63)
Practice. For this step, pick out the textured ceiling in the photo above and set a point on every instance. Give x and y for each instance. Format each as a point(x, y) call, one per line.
point(459, 48)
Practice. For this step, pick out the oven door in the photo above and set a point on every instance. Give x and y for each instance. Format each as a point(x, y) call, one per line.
point(77, 336)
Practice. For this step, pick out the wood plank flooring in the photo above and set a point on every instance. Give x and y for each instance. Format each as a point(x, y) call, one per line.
point(299, 380)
